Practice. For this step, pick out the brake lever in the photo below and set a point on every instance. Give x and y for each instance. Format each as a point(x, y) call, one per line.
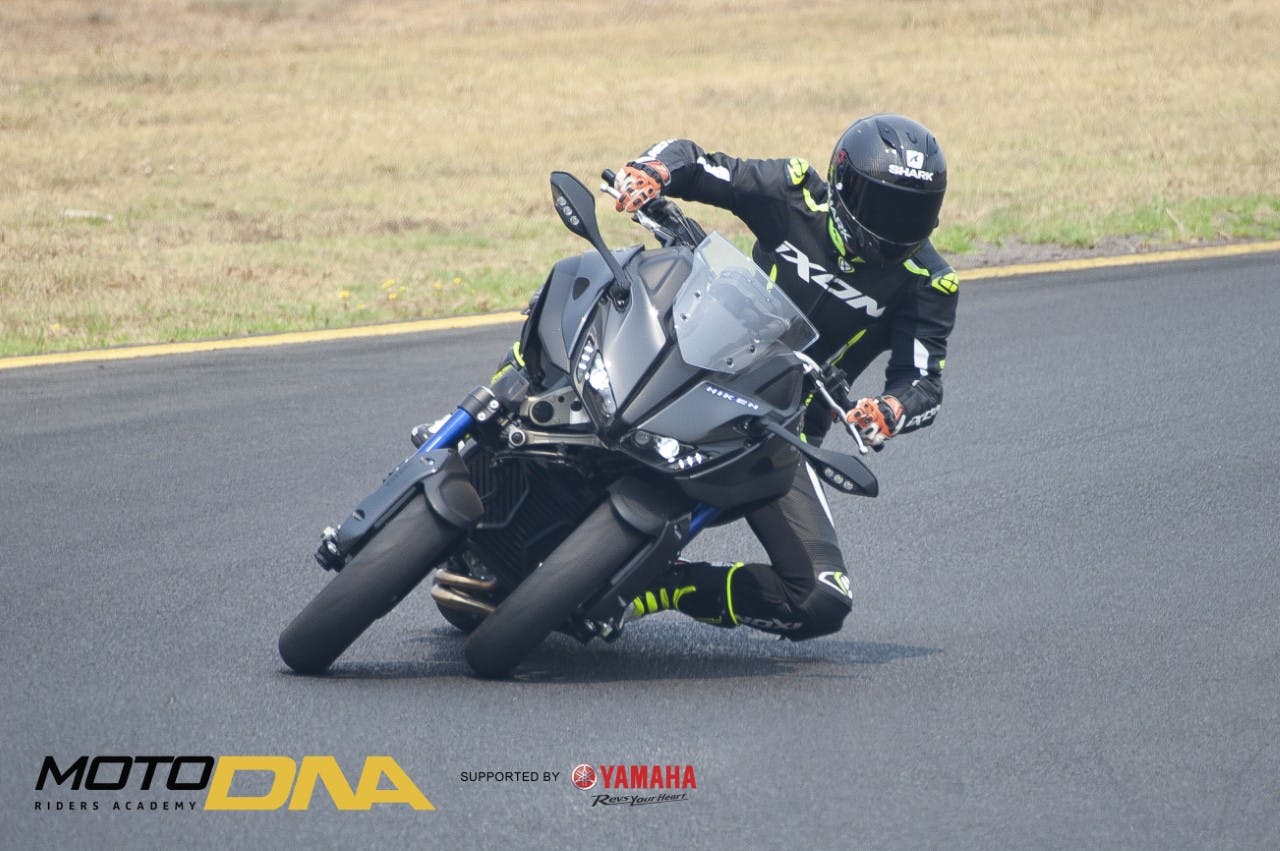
point(666, 236)
point(814, 371)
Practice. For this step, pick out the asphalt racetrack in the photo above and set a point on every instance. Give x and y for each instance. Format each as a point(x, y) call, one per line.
point(1065, 632)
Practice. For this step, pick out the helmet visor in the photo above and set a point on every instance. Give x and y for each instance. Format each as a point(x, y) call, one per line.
point(890, 213)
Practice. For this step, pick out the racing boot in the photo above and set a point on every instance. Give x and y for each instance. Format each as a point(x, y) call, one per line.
point(702, 590)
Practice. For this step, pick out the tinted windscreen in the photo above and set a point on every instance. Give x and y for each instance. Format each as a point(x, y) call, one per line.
point(729, 315)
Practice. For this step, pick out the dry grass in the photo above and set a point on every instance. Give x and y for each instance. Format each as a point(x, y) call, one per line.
point(198, 168)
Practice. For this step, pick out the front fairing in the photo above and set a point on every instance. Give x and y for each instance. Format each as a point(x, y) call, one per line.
point(675, 374)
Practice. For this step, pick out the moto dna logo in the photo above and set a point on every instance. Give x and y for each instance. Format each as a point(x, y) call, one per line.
point(289, 783)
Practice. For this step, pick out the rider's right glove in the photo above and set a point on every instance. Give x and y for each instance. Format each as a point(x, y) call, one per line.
point(639, 182)
point(877, 419)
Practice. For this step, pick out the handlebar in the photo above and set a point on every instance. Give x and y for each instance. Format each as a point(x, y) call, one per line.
point(661, 216)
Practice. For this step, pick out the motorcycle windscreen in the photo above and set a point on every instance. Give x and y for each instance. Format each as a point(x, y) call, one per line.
point(729, 316)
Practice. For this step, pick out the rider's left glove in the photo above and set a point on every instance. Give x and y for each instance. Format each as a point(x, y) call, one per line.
point(639, 182)
point(877, 419)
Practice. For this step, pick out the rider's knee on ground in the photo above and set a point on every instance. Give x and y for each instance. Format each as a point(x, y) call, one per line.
point(762, 600)
point(822, 613)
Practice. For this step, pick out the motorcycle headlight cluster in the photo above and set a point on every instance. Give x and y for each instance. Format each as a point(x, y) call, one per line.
point(676, 455)
point(590, 374)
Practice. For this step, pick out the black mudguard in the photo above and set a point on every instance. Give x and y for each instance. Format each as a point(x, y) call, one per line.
point(440, 475)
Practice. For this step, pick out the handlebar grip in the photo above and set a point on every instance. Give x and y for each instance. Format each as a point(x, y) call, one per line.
point(609, 175)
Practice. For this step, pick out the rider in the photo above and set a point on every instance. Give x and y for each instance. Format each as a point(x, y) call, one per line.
point(853, 253)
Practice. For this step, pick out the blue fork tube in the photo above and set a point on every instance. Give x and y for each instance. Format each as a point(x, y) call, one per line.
point(453, 430)
point(702, 515)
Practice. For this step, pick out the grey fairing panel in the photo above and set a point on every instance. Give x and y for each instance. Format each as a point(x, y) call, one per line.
point(635, 337)
point(709, 410)
point(573, 289)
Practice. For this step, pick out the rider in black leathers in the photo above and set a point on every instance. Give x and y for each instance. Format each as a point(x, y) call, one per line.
point(853, 253)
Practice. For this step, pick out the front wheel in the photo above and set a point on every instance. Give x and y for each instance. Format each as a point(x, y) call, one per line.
point(577, 569)
point(389, 566)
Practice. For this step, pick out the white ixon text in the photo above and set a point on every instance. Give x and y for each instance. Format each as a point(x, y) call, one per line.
point(811, 272)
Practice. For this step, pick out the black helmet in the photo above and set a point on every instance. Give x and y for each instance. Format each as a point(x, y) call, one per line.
point(887, 180)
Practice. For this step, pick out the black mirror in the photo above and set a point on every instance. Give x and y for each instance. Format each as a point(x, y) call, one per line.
point(575, 204)
point(844, 472)
point(577, 209)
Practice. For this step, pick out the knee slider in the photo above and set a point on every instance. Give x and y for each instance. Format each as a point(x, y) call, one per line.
point(822, 613)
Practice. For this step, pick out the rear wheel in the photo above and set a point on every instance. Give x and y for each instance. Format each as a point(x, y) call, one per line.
point(576, 570)
point(390, 565)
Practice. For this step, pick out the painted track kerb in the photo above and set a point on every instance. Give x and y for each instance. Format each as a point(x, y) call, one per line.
point(452, 323)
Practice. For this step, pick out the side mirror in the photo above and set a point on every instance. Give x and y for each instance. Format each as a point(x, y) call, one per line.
point(847, 473)
point(576, 207)
point(844, 472)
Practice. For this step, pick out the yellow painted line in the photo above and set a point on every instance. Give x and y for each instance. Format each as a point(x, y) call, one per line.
point(164, 349)
point(389, 330)
point(1206, 253)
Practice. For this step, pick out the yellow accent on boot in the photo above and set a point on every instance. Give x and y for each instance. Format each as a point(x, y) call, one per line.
point(650, 603)
point(728, 592)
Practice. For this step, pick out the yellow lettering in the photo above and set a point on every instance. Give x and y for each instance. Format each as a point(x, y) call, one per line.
point(313, 769)
point(404, 791)
point(220, 798)
point(323, 768)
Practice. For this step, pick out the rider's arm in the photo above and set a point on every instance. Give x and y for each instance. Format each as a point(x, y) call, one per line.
point(754, 190)
point(918, 344)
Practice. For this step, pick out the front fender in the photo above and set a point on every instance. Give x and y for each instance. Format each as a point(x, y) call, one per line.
point(440, 475)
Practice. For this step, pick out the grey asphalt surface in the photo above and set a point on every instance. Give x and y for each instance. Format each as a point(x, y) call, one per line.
point(1065, 633)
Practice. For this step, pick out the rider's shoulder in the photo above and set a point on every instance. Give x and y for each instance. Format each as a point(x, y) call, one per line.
point(932, 270)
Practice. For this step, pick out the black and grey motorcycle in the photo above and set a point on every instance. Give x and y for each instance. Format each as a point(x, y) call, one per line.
point(652, 393)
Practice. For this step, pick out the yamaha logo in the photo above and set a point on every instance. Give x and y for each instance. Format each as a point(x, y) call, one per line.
point(672, 783)
point(584, 777)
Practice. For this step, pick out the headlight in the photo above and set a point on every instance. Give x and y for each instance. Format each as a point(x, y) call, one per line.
point(667, 447)
point(591, 375)
point(598, 380)
point(667, 450)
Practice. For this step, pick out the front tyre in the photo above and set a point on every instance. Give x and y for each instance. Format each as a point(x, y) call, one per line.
point(390, 565)
point(576, 570)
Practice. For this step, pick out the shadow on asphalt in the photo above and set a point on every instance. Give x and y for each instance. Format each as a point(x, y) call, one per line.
point(671, 653)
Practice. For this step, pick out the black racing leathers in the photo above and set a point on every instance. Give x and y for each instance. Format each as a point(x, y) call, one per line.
point(860, 311)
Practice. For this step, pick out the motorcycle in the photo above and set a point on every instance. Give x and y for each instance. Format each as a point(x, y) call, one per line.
point(652, 394)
